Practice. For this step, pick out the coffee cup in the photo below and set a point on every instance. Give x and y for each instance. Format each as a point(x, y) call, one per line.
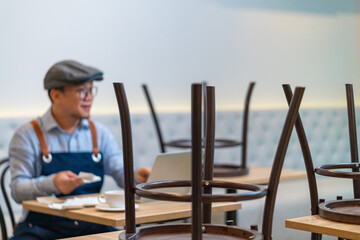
point(113, 198)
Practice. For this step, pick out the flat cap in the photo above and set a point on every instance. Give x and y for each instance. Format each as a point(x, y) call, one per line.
point(70, 72)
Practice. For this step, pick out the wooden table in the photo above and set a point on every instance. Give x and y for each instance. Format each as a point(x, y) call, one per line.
point(99, 236)
point(160, 210)
point(146, 213)
point(261, 175)
point(320, 225)
point(257, 175)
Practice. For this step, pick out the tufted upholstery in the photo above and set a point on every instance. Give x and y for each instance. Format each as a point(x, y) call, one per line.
point(326, 129)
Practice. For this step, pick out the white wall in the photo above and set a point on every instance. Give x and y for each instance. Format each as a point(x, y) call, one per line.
point(170, 44)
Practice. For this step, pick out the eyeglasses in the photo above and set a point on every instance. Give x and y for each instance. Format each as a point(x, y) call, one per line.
point(83, 93)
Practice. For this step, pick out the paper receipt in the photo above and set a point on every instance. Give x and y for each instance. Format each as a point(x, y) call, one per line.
point(89, 177)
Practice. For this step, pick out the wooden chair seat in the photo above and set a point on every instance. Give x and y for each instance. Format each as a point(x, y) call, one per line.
point(345, 211)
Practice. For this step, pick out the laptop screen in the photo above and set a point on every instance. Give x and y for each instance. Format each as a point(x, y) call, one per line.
point(172, 166)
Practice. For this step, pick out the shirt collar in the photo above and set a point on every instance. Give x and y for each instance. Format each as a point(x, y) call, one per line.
point(50, 123)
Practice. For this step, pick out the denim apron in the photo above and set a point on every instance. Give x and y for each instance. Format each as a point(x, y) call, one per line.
point(51, 227)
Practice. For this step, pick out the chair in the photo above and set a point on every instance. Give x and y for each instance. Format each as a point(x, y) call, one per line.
point(201, 227)
point(220, 170)
point(4, 163)
point(310, 170)
point(352, 135)
point(350, 206)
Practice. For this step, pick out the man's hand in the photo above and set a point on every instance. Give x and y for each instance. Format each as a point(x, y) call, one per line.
point(142, 174)
point(67, 181)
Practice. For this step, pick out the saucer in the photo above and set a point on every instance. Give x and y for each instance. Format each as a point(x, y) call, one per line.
point(106, 207)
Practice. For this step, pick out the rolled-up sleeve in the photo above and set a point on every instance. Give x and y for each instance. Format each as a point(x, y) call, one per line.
point(24, 155)
point(113, 157)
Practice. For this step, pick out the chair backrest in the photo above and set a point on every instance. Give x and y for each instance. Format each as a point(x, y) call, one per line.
point(244, 122)
point(154, 117)
point(197, 189)
point(4, 164)
point(129, 187)
point(128, 154)
point(3, 225)
point(314, 198)
point(2, 217)
point(209, 138)
point(282, 146)
point(306, 151)
point(196, 154)
point(196, 169)
point(310, 171)
point(352, 135)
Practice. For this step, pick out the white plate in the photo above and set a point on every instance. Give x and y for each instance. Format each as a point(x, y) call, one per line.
point(105, 207)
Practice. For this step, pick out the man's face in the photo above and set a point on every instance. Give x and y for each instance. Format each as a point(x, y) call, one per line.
point(76, 100)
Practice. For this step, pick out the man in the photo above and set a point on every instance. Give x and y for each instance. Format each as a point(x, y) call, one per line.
point(47, 154)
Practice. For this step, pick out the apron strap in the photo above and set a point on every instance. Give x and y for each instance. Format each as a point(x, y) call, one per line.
point(94, 138)
point(96, 156)
point(96, 153)
point(43, 145)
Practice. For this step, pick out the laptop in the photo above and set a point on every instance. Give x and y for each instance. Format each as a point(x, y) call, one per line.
point(171, 166)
